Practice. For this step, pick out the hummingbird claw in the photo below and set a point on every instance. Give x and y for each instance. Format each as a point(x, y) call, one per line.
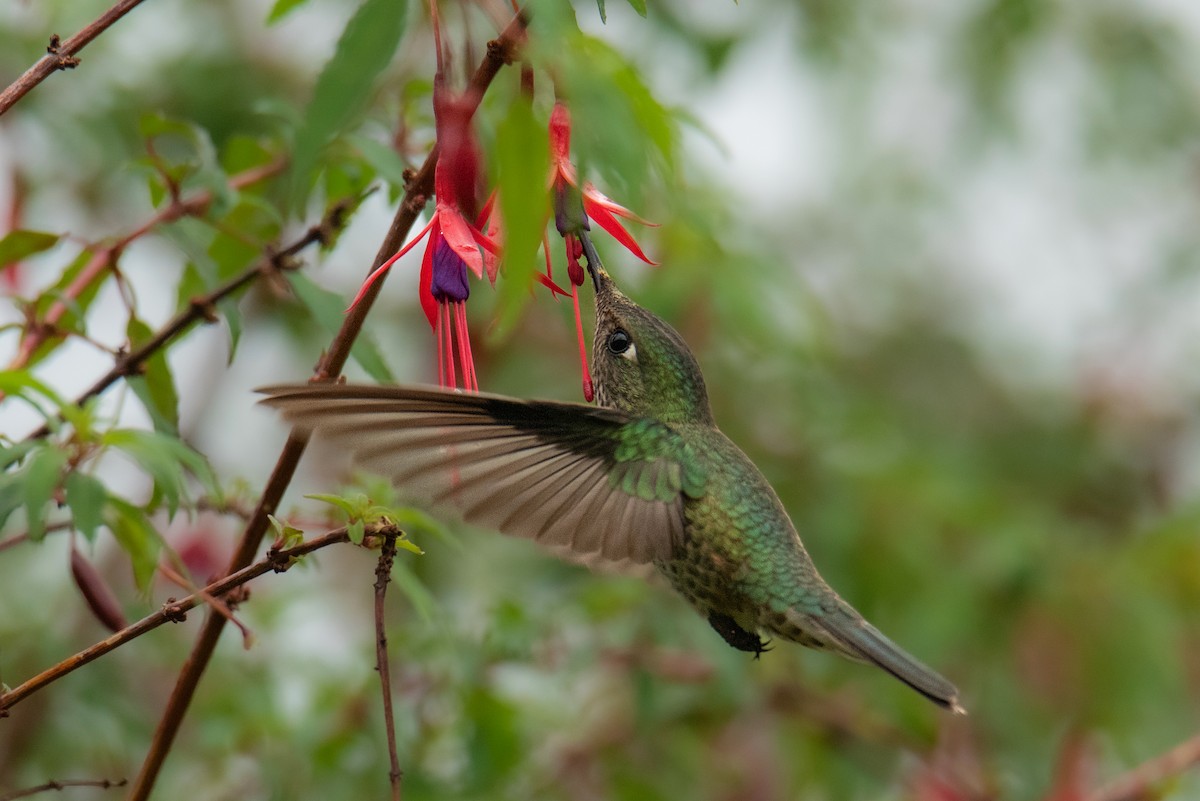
point(737, 636)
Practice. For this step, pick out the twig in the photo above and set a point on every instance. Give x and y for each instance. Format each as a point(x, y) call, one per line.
point(201, 309)
point(172, 611)
point(61, 55)
point(1137, 784)
point(38, 331)
point(383, 575)
point(500, 51)
point(17, 539)
point(214, 603)
point(59, 784)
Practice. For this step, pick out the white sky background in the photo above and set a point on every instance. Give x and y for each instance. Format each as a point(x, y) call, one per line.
point(1052, 253)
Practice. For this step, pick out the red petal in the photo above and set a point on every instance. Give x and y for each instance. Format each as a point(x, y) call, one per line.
point(486, 242)
point(486, 211)
point(425, 292)
point(590, 192)
point(609, 223)
point(460, 235)
point(387, 265)
point(549, 284)
point(546, 251)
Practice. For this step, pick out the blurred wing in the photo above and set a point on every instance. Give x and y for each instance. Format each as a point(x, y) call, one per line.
point(591, 484)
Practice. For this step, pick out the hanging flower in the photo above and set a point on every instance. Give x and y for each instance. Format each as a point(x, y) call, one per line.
point(596, 205)
point(574, 206)
point(454, 241)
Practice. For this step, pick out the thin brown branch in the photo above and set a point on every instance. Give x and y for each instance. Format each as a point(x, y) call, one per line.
point(60, 784)
point(214, 603)
point(172, 611)
point(1139, 783)
point(202, 309)
point(383, 575)
point(500, 52)
point(61, 55)
point(105, 258)
point(17, 539)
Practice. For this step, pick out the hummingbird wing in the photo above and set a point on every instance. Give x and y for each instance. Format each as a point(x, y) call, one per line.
point(592, 484)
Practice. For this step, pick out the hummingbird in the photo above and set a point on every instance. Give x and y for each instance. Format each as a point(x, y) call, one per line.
point(643, 478)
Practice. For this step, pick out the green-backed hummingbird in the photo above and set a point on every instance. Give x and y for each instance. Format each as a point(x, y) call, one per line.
point(644, 477)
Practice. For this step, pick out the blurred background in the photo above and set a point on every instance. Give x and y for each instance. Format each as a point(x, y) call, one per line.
point(939, 262)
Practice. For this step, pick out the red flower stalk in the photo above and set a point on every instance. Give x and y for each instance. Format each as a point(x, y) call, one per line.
point(573, 208)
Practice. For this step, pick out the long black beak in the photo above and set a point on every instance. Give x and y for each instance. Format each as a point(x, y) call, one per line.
point(595, 267)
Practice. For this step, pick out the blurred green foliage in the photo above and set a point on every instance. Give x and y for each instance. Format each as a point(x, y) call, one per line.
point(1026, 521)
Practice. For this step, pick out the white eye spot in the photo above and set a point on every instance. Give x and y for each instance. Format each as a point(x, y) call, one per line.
point(630, 353)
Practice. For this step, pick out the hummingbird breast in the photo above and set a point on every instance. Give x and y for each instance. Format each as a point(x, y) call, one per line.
point(741, 557)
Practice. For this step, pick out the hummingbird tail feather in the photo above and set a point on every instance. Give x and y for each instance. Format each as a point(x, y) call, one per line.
point(858, 639)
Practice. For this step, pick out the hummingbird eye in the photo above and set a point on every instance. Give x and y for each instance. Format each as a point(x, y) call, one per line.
point(618, 342)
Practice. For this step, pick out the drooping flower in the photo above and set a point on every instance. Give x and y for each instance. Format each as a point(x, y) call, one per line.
point(596, 205)
point(574, 206)
point(454, 240)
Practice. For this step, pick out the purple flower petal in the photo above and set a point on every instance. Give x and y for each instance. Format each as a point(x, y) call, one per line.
point(449, 280)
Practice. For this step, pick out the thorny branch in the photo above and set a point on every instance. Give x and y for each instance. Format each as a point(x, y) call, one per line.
point(103, 259)
point(500, 52)
point(383, 575)
point(201, 309)
point(174, 611)
point(60, 55)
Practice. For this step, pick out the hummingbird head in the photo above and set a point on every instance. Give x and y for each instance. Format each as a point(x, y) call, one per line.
point(640, 364)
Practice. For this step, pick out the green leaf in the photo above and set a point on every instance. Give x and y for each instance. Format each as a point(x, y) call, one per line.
point(409, 545)
point(523, 156)
point(77, 305)
point(192, 284)
point(24, 384)
point(155, 388)
point(617, 124)
point(638, 6)
point(17, 245)
point(148, 450)
point(11, 454)
point(282, 8)
point(164, 458)
point(356, 531)
point(345, 84)
point(12, 494)
point(245, 232)
point(189, 157)
point(232, 315)
point(420, 597)
point(328, 309)
point(385, 160)
point(603, 12)
point(350, 507)
point(136, 536)
point(86, 496)
point(43, 474)
point(286, 536)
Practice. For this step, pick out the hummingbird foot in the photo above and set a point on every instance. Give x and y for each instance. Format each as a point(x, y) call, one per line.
point(737, 636)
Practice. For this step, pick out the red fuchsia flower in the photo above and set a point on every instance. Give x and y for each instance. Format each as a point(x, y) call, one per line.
point(573, 207)
point(596, 205)
point(454, 241)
